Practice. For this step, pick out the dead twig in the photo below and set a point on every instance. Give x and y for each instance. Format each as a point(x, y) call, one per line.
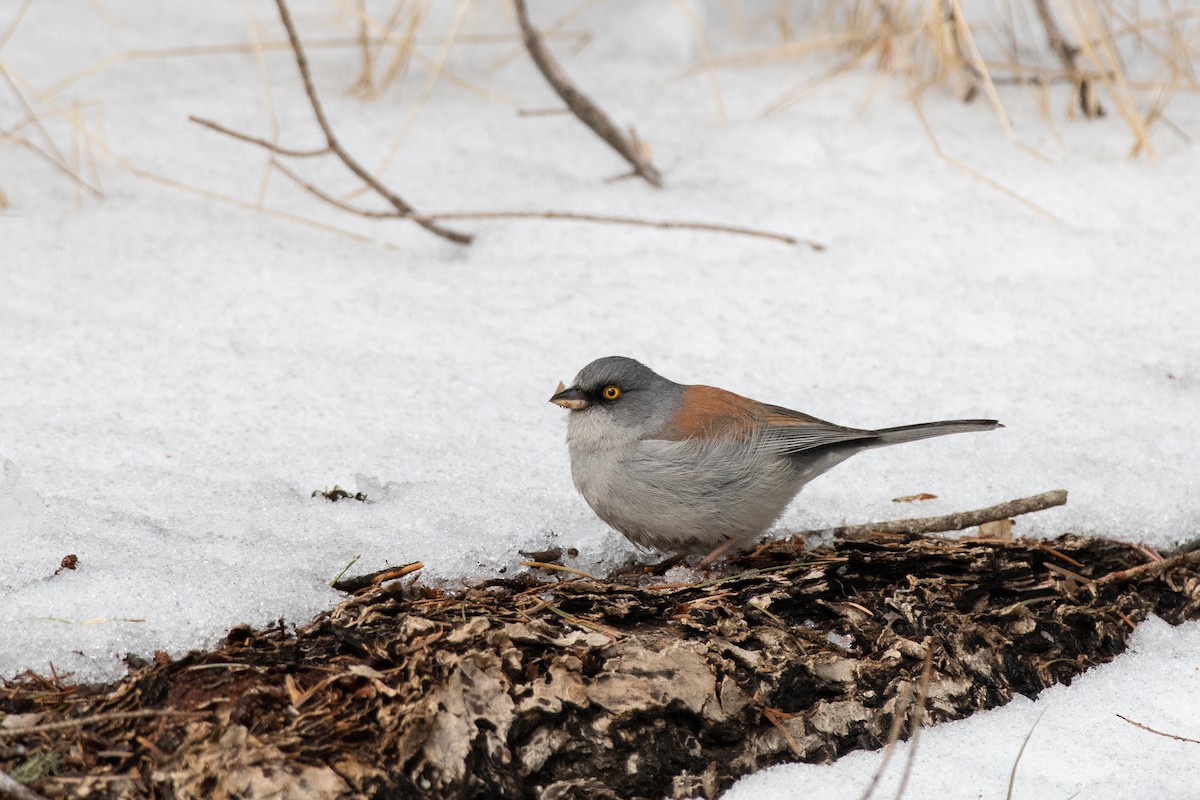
point(951, 522)
point(777, 718)
point(245, 137)
point(558, 568)
point(92, 719)
point(1147, 571)
point(1160, 733)
point(714, 227)
point(361, 582)
point(629, 147)
point(900, 711)
point(15, 790)
point(915, 721)
point(332, 144)
point(1067, 54)
point(568, 216)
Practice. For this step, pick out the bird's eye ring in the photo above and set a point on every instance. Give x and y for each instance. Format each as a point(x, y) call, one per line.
point(612, 392)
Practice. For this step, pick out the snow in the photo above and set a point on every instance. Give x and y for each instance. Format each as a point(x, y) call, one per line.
point(179, 372)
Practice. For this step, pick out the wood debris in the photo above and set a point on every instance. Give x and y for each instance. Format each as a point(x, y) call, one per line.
point(554, 685)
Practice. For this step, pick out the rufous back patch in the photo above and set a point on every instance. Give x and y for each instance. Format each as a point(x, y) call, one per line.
point(707, 411)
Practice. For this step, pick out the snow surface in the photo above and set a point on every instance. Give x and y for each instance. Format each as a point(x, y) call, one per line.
point(179, 372)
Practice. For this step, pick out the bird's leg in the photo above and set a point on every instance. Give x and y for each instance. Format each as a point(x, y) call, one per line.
point(717, 553)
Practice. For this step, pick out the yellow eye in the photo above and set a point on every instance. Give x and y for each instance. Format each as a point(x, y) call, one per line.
point(611, 392)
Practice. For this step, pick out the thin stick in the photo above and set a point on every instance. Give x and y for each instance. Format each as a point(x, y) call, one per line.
point(268, 145)
point(110, 716)
point(715, 227)
point(1151, 570)
point(12, 26)
point(333, 201)
point(429, 221)
point(903, 703)
point(950, 522)
point(776, 718)
point(585, 623)
point(345, 569)
point(360, 582)
point(1066, 53)
point(50, 153)
point(335, 146)
point(915, 721)
point(967, 168)
point(18, 791)
point(552, 215)
point(628, 147)
point(558, 568)
point(1160, 733)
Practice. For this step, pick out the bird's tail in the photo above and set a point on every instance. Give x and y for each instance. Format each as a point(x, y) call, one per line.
point(927, 430)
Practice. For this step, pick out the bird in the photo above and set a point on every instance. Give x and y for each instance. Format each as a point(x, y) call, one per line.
point(691, 469)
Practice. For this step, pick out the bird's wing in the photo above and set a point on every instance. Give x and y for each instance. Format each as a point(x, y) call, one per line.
point(791, 431)
point(708, 412)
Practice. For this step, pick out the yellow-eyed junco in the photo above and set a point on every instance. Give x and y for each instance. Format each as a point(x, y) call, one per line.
point(696, 469)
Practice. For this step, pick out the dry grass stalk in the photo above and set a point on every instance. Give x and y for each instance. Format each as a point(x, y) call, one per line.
point(47, 150)
point(697, 23)
point(115, 59)
point(629, 147)
point(553, 30)
point(365, 83)
point(289, 216)
point(959, 164)
point(933, 42)
point(901, 709)
point(1012, 775)
point(915, 721)
point(11, 28)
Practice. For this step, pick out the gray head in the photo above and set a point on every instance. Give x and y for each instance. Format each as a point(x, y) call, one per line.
point(619, 394)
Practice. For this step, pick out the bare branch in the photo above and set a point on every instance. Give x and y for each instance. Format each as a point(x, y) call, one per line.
point(430, 221)
point(333, 201)
point(552, 215)
point(245, 137)
point(332, 145)
point(351, 164)
point(629, 147)
point(715, 227)
point(1067, 53)
point(582, 107)
point(952, 522)
point(1147, 571)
